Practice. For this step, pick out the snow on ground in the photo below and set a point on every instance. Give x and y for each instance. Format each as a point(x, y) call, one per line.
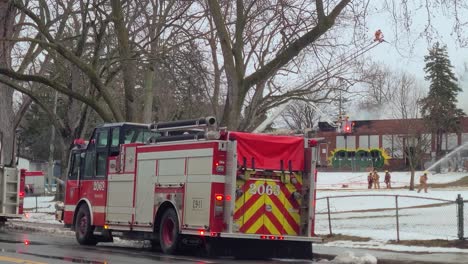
point(45, 212)
point(372, 213)
point(335, 180)
point(394, 247)
point(383, 198)
point(349, 257)
point(46, 218)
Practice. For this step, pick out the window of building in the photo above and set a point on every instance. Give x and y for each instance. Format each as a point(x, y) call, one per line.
point(364, 141)
point(340, 142)
point(348, 142)
point(351, 142)
point(464, 138)
point(374, 141)
point(449, 141)
point(387, 144)
point(452, 141)
point(427, 143)
point(398, 143)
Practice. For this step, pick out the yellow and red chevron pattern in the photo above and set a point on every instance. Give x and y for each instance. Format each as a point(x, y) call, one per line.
point(267, 206)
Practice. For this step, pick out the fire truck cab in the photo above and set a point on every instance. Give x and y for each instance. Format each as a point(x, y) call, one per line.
point(188, 184)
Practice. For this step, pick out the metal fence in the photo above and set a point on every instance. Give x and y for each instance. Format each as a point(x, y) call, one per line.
point(395, 217)
point(38, 203)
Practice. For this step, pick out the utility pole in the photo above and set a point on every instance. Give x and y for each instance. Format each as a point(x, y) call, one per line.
point(339, 107)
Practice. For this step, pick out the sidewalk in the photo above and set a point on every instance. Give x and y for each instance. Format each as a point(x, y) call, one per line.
point(390, 257)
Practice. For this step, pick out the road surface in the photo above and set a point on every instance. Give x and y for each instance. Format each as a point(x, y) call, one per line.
point(37, 248)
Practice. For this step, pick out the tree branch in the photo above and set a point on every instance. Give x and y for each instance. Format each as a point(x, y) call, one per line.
point(22, 110)
point(87, 69)
point(295, 47)
point(320, 11)
point(59, 87)
point(52, 117)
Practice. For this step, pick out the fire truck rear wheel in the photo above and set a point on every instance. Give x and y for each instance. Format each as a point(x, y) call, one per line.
point(83, 228)
point(169, 232)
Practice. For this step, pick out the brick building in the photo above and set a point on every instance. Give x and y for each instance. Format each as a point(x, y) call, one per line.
point(395, 137)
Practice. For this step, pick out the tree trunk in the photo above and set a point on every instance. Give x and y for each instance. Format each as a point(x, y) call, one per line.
point(439, 135)
point(411, 187)
point(149, 95)
point(232, 109)
point(127, 62)
point(7, 130)
point(60, 190)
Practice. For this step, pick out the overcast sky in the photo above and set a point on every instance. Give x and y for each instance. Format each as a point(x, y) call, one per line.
point(406, 53)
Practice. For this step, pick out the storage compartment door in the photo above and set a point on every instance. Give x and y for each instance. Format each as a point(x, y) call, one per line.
point(144, 204)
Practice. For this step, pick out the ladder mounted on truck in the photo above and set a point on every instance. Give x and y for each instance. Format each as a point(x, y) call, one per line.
point(378, 39)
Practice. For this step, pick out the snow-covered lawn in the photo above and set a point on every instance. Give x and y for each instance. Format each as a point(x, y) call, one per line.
point(372, 213)
point(358, 180)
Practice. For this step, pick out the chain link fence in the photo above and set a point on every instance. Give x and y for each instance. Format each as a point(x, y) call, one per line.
point(390, 217)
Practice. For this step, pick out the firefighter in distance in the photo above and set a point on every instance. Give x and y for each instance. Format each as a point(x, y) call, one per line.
point(387, 179)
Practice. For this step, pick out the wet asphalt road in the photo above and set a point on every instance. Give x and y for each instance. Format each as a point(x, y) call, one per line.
point(46, 248)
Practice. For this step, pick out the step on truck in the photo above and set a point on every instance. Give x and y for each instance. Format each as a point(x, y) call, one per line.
point(187, 184)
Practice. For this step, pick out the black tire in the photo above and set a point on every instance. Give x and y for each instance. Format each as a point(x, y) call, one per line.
point(169, 232)
point(83, 228)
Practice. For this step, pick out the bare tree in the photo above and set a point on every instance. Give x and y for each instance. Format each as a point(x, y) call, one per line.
point(7, 17)
point(413, 140)
point(378, 85)
point(300, 116)
point(295, 39)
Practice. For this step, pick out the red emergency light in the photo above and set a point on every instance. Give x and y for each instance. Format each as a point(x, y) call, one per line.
point(312, 143)
point(79, 141)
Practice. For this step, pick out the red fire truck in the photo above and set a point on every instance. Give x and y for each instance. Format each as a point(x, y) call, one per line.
point(188, 184)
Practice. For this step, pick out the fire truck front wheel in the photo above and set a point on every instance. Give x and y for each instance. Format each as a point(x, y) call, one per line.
point(83, 228)
point(169, 232)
